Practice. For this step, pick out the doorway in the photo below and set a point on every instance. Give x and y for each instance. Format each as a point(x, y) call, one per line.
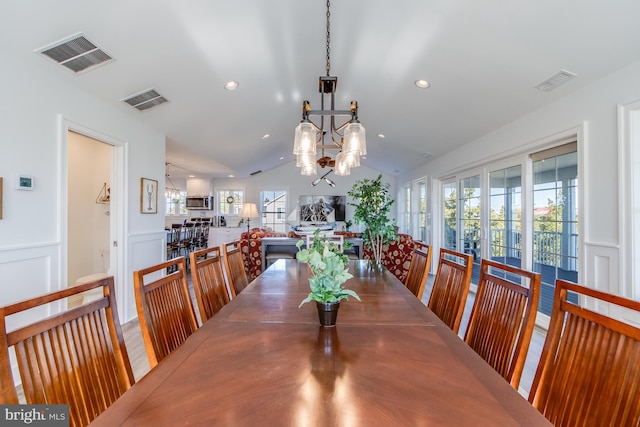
point(91, 224)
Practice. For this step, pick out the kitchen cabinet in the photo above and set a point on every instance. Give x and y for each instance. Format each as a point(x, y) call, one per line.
point(220, 235)
point(198, 187)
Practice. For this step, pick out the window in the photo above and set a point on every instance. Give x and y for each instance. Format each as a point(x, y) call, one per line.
point(175, 203)
point(422, 210)
point(274, 207)
point(547, 196)
point(450, 223)
point(505, 230)
point(469, 221)
point(555, 219)
point(404, 210)
point(230, 202)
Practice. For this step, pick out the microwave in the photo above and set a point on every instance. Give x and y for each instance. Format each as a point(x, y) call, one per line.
point(200, 202)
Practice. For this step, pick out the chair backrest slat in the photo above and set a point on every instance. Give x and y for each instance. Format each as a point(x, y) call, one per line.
point(208, 282)
point(451, 287)
point(589, 370)
point(234, 267)
point(76, 357)
point(503, 317)
point(164, 308)
point(419, 269)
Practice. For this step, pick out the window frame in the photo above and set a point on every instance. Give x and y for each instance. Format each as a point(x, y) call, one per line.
point(279, 214)
point(222, 194)
point(522, 157)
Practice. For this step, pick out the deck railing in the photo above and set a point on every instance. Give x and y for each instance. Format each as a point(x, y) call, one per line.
point(549, 248)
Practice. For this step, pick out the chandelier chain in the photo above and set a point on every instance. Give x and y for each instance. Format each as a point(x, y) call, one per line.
point(328, 38)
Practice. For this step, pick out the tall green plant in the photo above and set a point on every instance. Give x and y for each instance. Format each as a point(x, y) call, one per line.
point(372, 205)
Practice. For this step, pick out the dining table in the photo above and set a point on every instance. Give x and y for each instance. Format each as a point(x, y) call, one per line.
point(264, 361)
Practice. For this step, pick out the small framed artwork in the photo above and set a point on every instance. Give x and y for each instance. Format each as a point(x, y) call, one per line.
point(148, 196)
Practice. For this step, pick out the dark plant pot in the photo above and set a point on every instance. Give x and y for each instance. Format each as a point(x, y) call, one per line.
point(376, 266)
point(327, 313)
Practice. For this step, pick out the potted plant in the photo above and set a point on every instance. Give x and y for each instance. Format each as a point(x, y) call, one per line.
point(329, 271)
point(348, 223)
point(372, 206)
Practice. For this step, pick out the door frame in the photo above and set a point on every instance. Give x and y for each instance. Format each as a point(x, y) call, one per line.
point(117, 209)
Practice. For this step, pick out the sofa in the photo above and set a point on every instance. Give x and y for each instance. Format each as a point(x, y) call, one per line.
point(253, 252)
point(396, 255)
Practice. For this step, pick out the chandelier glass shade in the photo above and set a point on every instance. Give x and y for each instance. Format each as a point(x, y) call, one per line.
point(347, 138)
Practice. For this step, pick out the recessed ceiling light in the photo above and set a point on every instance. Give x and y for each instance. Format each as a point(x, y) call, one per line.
point(231, 176)
point(232, 85)
point(192, 176)
point(265, 136)
point(422, 84)
point(281, 158)
point(381, 135)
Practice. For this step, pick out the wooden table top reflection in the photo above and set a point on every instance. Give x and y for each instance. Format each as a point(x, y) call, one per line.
point(261, 361)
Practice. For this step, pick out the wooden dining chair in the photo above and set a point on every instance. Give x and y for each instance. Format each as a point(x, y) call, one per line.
point(419, 270)
point(76, 356)
point(589, 369)
point(164, 308)
point(421, 245)
point(208, 282)
point(451, 287)
point(503, 317)
point(234, 267)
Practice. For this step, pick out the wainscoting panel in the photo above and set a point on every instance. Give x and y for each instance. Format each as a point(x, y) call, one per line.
point(27, 272)
point(145, 250)
point(601, 263)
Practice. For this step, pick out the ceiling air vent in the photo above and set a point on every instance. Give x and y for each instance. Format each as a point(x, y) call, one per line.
point(145, 99)
point(76, 53)
point(556, 80)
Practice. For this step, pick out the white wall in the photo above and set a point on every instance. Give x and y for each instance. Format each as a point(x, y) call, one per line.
point(595, 107)
point(287, 177)
point(38, 101)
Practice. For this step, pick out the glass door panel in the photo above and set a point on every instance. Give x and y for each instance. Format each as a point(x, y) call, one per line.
point(555, 223)
point(469, 221)
point(505, 229)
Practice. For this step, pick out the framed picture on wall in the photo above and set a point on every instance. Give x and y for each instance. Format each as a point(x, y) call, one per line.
point(319, 209)
point(148, 196)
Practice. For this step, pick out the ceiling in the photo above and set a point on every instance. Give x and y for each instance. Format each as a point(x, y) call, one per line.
point(482, 58)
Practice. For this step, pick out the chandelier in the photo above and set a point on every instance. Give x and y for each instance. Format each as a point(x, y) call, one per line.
point(348, 138)
point(170, 192)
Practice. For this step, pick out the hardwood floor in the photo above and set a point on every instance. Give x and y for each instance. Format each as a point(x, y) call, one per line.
point(135, 348)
